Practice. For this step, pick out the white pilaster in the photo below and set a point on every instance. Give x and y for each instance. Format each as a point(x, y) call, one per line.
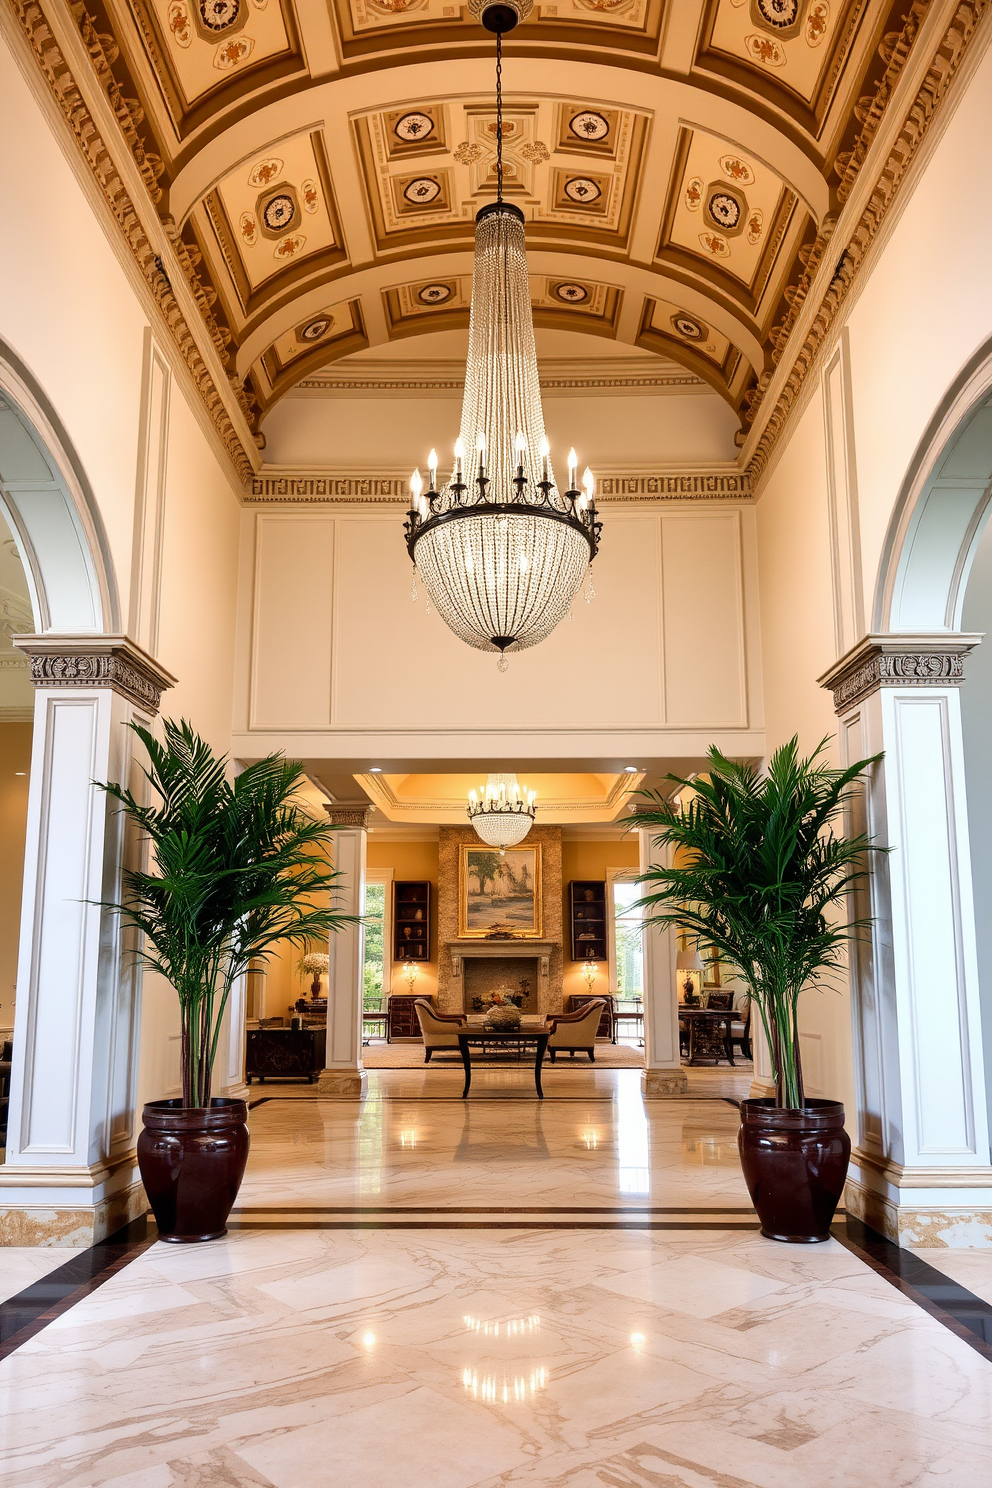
point(342, 1075)
point(920, 1170)
point(70, 1175)
point(663, 1072)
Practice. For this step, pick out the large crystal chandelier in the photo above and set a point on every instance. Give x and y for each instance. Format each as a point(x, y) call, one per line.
point(504, 814)
point(501, 550)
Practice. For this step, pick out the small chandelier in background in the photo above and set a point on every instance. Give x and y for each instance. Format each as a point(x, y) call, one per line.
point(504, 814)
point(501, 550)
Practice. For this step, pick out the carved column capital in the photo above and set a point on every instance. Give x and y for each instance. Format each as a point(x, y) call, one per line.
point(910, 659)
point(112, 661)
point(349, 816)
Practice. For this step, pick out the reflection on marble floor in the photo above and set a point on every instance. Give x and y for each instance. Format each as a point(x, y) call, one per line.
point(20, 1267)
point(511, 1358)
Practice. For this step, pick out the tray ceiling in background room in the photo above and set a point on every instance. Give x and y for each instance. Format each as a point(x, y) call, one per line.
point(318, 166)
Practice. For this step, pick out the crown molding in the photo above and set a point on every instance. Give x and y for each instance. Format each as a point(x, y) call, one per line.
point(109, 152)
point(561, 376)
point(276, 486)
point(925, 60)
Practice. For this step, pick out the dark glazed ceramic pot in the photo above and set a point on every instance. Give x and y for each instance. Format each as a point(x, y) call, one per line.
point(192, 1163)
point(795, 1166)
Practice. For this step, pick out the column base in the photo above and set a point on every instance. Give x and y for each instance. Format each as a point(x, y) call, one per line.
point(664, 1084)
point(938, 1207)
point(342, 1084)
point(72, 1226)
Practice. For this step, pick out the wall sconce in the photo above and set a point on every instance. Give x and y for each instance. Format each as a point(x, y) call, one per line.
point(411, 971)
point(590, 971)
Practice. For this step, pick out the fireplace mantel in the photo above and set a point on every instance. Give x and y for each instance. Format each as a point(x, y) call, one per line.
point(521, 949)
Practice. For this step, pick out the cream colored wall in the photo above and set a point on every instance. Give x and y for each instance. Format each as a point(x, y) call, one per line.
point(923, 312)
point(15, 762)
point(663, 660)
point(70, 315)
point(409, 860)
point(591, 859)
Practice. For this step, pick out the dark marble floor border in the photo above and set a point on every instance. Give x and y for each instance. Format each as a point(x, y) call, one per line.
point(26, 1313)
point(965, 1315)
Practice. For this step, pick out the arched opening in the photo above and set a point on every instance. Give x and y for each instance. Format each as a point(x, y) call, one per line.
point(938, 578)
point(53, 577)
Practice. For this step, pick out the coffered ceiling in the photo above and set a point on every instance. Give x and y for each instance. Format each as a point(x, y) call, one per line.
point(317, 166)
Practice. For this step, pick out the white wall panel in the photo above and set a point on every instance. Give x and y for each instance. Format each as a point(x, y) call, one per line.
point(397, 666)
point(703, 619)
point(292, 631)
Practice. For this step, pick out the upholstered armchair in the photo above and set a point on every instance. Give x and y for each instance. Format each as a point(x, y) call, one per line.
point(571, 1031)
point(440, 1030)
point(739, 1036)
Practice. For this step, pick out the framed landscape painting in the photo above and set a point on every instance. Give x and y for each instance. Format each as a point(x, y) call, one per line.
point(497, 893)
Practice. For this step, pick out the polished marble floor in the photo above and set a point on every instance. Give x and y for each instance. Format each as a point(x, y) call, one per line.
point(489, 1293)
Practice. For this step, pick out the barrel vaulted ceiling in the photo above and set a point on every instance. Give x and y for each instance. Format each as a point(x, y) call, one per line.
point(317, 165)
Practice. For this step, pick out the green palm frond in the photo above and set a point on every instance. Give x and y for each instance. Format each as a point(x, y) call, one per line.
point(757, 869)
point(235, 866)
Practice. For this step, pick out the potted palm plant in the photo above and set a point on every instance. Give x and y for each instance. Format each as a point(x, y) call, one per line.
point(758, 869)
point(236, 866)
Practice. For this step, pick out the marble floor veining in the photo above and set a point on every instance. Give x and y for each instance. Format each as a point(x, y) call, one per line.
point(322, 1344)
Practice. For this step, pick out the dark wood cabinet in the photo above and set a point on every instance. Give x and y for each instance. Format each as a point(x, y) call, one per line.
point(587, 919)
point(285, 1053)
point(401, 1015)
point(412, 920)
point(607, 1027)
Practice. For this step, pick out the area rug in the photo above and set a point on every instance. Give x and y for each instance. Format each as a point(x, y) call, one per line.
point(411, 1056)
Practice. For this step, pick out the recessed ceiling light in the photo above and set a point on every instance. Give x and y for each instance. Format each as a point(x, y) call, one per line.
point(375, 769)
point(20, 772)
point(630, 769)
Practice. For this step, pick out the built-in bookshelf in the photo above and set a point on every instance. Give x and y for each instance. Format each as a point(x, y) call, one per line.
point(587, 918)
point(412, 920)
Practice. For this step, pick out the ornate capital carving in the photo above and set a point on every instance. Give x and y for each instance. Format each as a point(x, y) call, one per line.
point(114, 662)
point(910, 660)
point(693, 485)
point(350, 816)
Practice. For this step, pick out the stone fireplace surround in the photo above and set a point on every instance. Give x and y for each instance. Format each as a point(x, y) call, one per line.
point(455, 949)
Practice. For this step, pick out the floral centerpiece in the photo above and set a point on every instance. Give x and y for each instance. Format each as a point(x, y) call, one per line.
point(502, 1009)
point(314, 964)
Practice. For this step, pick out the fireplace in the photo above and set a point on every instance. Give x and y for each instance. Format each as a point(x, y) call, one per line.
point(479, 966)
point(483, 974)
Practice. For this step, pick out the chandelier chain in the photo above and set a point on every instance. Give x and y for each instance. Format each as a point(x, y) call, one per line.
point(499, 117)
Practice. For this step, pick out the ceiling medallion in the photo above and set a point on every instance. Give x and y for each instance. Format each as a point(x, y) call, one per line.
point(315, 329)
point(413, 127)
point(582, 190)
point(501, 550)
point(589, 125)
point(504, 814)
point(423, 190)
point(692, 330)
point(781, 16)
point(572, 294)
point(434, 294)
point(219, 15)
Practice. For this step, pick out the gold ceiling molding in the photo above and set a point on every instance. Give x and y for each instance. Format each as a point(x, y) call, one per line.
point(385, 489)
point(57, 71)
point(381, 378)
point(945, 66)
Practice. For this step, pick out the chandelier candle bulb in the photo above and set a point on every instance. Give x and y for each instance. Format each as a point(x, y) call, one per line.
point(432, 467)
point(573, 465)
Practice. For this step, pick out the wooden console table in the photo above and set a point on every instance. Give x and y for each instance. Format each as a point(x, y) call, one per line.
point(285, 1053)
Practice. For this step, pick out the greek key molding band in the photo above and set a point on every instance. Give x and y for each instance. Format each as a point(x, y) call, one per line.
point(920, 660)
point(97, 661)
point(349, 816)
point(693, 486)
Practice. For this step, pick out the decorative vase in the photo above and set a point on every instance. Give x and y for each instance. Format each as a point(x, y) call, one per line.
point(315, 987)
point(503, 1019)
point(795, 1166)
point(192, 1162)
